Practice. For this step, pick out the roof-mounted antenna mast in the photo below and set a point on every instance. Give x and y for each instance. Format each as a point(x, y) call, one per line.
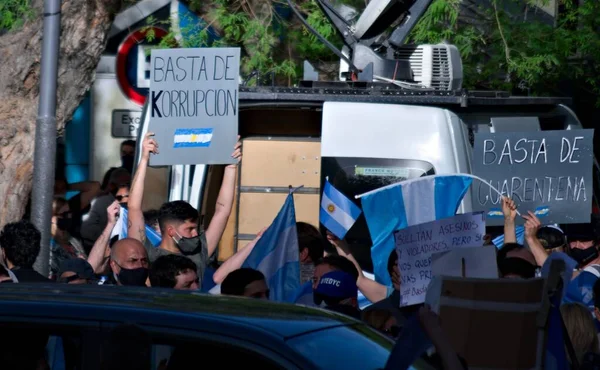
point(373, 49)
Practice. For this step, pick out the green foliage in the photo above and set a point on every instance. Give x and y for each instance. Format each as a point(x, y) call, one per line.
point(518, 54)
point(270, 44)
point(14, 13)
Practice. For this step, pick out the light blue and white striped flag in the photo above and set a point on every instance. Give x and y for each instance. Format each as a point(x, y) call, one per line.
point(120, 229)
point(405, 204)
point(519, 232)
point(338, 213)
point(276, 255)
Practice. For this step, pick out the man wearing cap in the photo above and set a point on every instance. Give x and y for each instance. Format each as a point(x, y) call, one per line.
point(583, 247)
point(338, 290)
point(76, 271)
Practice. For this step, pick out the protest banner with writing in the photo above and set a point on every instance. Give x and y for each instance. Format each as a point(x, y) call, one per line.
point(193, 105)
point(416, 244)
point(546, 172)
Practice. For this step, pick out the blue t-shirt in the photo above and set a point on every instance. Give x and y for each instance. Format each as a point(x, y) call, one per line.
point(581, 289)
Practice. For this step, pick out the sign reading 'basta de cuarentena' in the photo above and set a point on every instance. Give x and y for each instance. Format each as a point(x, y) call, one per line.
point(193, 105)
point(547, 172)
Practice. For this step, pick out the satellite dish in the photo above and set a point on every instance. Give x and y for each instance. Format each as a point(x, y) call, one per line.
point(379, 15)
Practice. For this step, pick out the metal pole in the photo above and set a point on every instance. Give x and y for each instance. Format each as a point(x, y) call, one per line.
point(45, 134)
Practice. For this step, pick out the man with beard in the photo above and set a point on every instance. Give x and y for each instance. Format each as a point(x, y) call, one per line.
point(179, 224)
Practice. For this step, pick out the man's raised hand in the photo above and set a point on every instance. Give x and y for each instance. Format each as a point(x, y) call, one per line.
point(237, 152)
point(149, 145)
point(113, 212)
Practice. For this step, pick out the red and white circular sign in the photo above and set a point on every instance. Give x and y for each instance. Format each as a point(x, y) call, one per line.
point(133, 63)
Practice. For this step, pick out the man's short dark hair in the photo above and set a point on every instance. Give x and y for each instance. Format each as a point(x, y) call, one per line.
point(339, 263)
point(21, 243)
point(178, 212)
point(164, 271)
point(128, 143)
point(310, 237)
point(236, 281)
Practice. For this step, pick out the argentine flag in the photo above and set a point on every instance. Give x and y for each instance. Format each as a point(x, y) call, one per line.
point(276, 255)
point(120, 229)
point(192, 137)
point(405, 204)
point(338, 213)
point(519, 232)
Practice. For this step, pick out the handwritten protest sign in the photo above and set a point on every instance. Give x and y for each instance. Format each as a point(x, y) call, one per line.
point(416, 244)
point(546, 172)
point(193, 104)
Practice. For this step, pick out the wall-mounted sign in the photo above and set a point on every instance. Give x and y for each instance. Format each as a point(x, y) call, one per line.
point(125, 123)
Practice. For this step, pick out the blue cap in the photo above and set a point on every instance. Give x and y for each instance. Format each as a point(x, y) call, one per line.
point(337, 284)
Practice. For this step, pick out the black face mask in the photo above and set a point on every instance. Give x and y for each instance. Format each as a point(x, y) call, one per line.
point(133, 277)
point(64, 224)
point(584, 256)
point(124, 205)
point(127, 162)
point(189, 245)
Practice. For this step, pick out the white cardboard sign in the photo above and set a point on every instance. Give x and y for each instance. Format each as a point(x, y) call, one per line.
point(416, 244)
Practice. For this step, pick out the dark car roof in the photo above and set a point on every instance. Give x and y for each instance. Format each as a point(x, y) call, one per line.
point(170, 307)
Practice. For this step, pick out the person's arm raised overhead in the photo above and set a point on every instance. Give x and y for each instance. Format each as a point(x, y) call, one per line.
point(509, 209)
point(136, 228)
point(217, 225)
point(532, 225)
point(100, 252)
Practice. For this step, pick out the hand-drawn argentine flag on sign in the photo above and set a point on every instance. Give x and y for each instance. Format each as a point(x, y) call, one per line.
point(408, 203)
point(276, 255)
point(120, 229)
point(338, 213)
point(192, 137)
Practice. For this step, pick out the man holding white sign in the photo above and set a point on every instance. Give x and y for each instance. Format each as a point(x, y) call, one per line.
point(193, 104)
point(416, 244)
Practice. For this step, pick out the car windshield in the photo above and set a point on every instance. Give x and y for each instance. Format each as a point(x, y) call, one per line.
point(344, 347)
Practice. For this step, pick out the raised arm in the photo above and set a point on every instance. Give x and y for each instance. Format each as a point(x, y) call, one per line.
point(510, 213)
point(136, 227)
point(217, 225)
point(100, 252)
point(236, 261)
point(371, 289)
point(532, 225)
